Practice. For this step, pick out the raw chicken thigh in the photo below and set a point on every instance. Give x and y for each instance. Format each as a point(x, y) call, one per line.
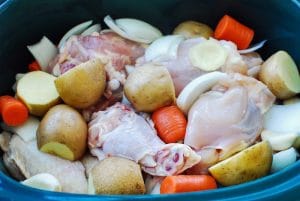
point(119, 131)
point(112, 49)
point(227, 119)
point(31, 161)
point(182, 71)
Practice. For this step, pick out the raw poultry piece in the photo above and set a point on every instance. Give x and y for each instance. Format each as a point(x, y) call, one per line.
point(181, 69)
point(113, 50)
point(227, 119)
point(119, 131)
point(31, 161)
point(253, 62)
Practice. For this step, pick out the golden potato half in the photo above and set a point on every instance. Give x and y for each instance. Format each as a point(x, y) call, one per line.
point(83, 85)
point(249, 164)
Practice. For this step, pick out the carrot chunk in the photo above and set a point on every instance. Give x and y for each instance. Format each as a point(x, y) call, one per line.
point(170, 123)
point(13, 111)
point(230, 29)
point(187, 183)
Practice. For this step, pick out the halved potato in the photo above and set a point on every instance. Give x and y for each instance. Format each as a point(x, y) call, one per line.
point(116, 175)
point(37, 90)
point(83, 85)
point(149, 87)
point(63, 132)
point(279, 72)
point(249, 164)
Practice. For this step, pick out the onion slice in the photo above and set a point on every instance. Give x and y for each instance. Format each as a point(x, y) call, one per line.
point(283, 118)
point(191, 92)
point(253, 47)
point(43, 52)
point(78, 29)
point(283, 159)
point(164, 47)
point(43, 181)
point(92, 29)
point(133, 29)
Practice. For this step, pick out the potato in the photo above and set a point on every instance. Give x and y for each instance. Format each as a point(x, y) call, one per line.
point(149, 87)
point(63, 132)
point(249, 164)
point(115, 175)
point(37, 90)
point(83, 85)
point(192, 29)
point(279, 72)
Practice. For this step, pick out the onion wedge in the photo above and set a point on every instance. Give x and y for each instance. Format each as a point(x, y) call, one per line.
point(43, 52)
point(43, 181)
point(133, 29)
point(78, 29)
point(164, 47)
point(195, 88)
point(92, 29)
point(253, 48)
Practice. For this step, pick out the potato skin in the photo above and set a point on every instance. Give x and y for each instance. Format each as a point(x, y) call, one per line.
point(270, 75)
point(249, 164)
point(116, 175)
point(83, 85)
point(149, 87)
point(192, 29)
point(64, 125)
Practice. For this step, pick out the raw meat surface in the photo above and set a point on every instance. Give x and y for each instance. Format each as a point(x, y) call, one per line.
point(31, 162)
point(119, 131)
point(227, 119)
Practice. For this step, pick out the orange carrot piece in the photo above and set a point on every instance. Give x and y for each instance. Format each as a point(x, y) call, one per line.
point(34, 66)
point(170, 123)
point(13, 111)
point(230, 29)
point(187, 183)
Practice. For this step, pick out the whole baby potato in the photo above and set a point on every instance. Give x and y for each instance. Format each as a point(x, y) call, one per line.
point(63, 132)
point(116, 175)
point(192, 29)
point(149, 87)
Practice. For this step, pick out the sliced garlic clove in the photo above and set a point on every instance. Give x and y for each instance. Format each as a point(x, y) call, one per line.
point(208, 55)
point(43, 52)
point(43, 181)
point(253, 48)
point(195, 88)
point(283, 159)
point(133, 29)
point(165, 46)
point(76, 30)
point(92, 29)
point(279, 141)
